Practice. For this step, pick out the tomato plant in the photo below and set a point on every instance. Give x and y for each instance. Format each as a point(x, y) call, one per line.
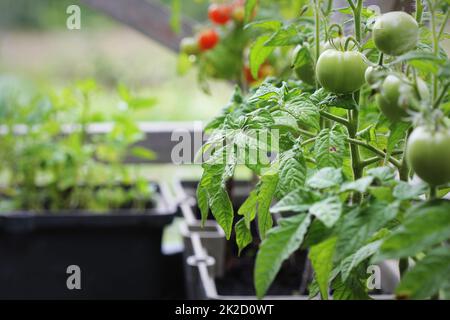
point(47, 168)
point(347, 185)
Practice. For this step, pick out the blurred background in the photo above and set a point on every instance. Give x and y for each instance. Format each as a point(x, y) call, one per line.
point(39, 52)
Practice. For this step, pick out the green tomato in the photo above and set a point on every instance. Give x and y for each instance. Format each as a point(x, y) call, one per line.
point(341, 72)
point(305, 71)
point(375, 75)
point(428, 154)
point(395, 33)
point(396, 94)
point(189, 46)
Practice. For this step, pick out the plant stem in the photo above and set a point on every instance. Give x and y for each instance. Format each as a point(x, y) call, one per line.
point(403, 266)
point(435, 44)
point(433, 192)
point(338, 119)
point(354, 150)
point(404, 168)
point(317, 34)
point(307, 133)
point(419, 11)
point(441, 96)
point(375, 150)
point(443, 25)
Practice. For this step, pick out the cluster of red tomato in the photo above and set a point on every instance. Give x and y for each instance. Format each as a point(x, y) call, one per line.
point(219, 14)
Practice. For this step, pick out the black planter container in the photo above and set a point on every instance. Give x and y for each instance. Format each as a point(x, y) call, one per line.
point(119, 254)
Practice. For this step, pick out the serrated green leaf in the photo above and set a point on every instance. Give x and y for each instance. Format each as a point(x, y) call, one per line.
point(424, 226)
point(360, 185)
point(299, 200)
point(321, 256)
point(202, 202)
point(325, 178)
point(250, 6)
point(427, 276)
point(287, 36)
point(359, 225)
point(243, 235)
point(304, 111)
point(222, 210)
point(328, 210)
point(265, 25)
point(248, 208)
point(352, 261)
point(383, 174)
point(397, 133)
point(329, 148)
point(292, 171)
point(339, 101)
point(259, 54)
point(406, 191)
point(354, 288)
point(265, 195)
point(279, 244)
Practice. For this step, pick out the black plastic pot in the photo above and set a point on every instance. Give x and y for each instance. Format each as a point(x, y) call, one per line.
point(119, 254)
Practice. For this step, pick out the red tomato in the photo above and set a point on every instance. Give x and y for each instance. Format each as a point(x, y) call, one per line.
point(219, 13)
point(208, 39)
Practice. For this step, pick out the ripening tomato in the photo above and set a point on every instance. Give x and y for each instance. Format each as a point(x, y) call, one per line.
point(396, 95)
point(220, 13)
point(395, 33)
point(189, 46)
point(341, 72)
point(238, 13)
point(208, 39)
point(428, 153)
point(266, 70)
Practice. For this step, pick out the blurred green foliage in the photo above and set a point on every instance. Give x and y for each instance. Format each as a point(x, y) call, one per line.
point(48, 160)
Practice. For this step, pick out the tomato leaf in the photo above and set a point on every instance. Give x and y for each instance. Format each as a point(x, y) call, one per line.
point(321, 256)
point(243, 235)
point(292, 171)
point(425, 278)
point(330, 148)
point(279, 244)
point(325, 178)
point(299, 200)
point(424, 226)
point(266, 192)
point(259, 54)
point(328, 211)
point(352, 261)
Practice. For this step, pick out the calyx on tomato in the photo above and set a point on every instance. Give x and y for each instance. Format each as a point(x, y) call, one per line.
point(341, 72)
point(397, 94)
point(395, 33)
point(428, 153)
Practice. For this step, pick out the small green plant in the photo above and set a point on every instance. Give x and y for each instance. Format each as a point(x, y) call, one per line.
point(347, 150)
point(50, 162)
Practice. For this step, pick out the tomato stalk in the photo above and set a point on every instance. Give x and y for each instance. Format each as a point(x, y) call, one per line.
point(404, 168)
point(419, 11)
point(353, 115)
point(435, 39)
